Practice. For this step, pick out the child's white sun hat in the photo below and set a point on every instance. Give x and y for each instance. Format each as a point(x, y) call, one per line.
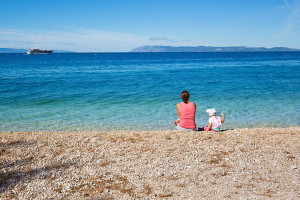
point(211, 111)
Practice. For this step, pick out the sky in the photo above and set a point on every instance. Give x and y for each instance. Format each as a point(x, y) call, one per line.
point(122, 25)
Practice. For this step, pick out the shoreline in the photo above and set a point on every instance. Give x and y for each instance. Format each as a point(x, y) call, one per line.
point(148, 130)
point(257, 163)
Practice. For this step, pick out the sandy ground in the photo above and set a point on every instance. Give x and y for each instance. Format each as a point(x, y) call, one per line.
point(234, 164)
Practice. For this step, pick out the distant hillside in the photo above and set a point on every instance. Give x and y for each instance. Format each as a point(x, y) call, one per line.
point(208, 49)
point(62, 51)
point(11, 50)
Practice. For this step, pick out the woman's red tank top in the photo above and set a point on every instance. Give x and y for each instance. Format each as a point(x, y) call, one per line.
point(187, 115)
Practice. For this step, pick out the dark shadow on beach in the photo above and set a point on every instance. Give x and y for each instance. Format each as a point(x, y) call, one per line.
point(12, 178)
point(19, 169)
point(15, 144)
point(223, 130)
point(16, 163)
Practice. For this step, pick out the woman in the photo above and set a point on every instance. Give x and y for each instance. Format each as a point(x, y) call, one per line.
point(186, 111)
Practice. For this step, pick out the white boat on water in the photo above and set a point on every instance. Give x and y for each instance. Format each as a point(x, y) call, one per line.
point(39, 51)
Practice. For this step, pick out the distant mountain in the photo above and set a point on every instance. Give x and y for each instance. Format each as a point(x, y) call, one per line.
point(208, 49)
point(11, 50)
point(62, 51)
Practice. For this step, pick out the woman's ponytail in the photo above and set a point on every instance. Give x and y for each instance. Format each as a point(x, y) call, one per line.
point(185, 96)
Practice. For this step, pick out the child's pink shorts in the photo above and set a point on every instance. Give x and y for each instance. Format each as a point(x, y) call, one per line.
point(205, 128)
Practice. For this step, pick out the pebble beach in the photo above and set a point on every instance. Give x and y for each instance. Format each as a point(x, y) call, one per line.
point(256, 163)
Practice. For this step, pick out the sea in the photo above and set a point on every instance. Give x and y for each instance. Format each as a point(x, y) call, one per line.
point(139, 91)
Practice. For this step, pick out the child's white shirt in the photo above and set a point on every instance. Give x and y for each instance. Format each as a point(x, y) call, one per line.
point(215, 121)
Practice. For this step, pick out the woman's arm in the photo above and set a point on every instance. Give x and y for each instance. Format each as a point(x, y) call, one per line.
point(178, 109)
point(178, 113)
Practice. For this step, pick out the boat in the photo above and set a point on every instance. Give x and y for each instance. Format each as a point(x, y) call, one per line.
point(39, 51)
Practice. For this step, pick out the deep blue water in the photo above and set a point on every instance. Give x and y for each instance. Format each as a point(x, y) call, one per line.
point(139, 91)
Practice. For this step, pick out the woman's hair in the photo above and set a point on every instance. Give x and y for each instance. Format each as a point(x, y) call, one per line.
point(185, 96)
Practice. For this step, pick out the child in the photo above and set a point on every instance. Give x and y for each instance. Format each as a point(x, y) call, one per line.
point(214, 121)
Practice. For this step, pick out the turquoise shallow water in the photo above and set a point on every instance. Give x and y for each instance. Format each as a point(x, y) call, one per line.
point(139, 91)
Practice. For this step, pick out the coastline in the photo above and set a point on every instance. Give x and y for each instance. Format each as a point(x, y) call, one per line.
point(257, 163)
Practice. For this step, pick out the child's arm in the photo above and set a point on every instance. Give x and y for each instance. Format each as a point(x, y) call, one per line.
point(209, 127)
point(223, 118)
